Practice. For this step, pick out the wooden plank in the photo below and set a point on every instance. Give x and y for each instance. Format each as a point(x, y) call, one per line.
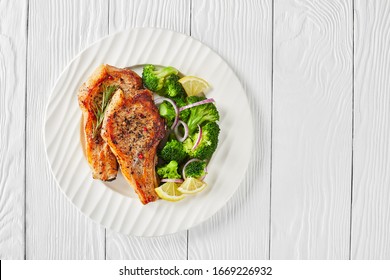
point(370, 237)
point(312, 130)
point(174, 15)
point(58, 30)
point(13, 41)
point(241, 32)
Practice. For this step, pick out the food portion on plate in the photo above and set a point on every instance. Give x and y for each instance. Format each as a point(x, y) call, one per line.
point(133, 128)
point(94, 96)
point(121, 125)
point(160, 129)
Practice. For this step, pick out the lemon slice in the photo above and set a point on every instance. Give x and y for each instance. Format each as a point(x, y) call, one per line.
point(169, 191)
point(191, 186)
point(194, 86)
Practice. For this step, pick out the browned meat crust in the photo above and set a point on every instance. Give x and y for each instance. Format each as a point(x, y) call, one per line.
point(100, 158)
point(133, 128)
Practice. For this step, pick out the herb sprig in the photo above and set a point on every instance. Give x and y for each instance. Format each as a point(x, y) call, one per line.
point(99, 111)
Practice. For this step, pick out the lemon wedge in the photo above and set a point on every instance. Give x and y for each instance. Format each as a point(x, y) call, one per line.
point(194, 86)
point(191, 186)
point(169, 191)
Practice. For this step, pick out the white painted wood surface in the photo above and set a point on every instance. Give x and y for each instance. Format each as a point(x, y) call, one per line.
point(312, 130)
point(13, 42)
point(371, 160)
point(320, 102)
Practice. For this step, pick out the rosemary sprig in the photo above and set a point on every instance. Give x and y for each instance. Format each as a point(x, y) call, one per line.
point(99, 111)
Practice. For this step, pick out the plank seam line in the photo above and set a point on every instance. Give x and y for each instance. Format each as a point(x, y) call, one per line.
point(190, 16)
point(25, 136)
point(188, 233)
point(353, 126)
point(108, 17)
point(272, 114)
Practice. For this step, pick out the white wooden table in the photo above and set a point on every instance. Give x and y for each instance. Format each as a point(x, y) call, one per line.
point(317, 74)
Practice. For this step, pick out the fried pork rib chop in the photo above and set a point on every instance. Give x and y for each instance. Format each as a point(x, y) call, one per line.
point(133, 128)
point(99, 88)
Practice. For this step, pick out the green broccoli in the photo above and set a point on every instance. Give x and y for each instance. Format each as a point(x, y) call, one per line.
point(153, 78)
point(208, 143)
point(172, 87)
point(201, 113)
point(195, 169)
point(173, 150)
point(181, 102)
point(167, 112)
point(169, 171)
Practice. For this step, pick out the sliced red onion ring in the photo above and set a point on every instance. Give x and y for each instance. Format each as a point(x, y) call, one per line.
point(160, 100)
point(177, 133)
point(172, 180)
point(208, 100)
point(187, 163)
point(199, 138)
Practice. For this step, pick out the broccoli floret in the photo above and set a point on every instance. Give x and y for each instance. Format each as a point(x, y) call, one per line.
point(169, 171)
point(208, 143)
point(195, 169)
point(193, 99)
point(181, 102)
point(173, 150)
point(201, 113)
point(172, 87)
point(167, 112)
point(153, 78)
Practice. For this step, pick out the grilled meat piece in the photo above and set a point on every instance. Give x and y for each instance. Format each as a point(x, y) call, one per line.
point(90, 96)
point(133, 128)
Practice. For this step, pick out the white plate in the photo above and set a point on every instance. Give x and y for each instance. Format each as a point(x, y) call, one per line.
point(114, 204)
